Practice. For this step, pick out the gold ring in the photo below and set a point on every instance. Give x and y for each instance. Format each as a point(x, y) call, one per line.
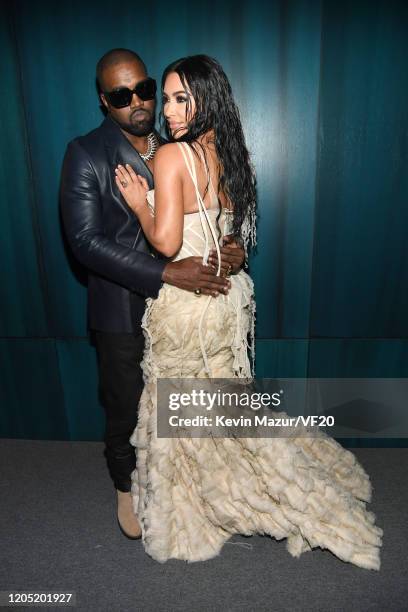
point(123, 183)
point(197, 291)
point(228, 273)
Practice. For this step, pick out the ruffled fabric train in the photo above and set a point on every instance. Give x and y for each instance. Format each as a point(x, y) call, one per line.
point(191, 495)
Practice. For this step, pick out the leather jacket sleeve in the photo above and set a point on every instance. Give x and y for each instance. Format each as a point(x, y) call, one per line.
point(81, 210)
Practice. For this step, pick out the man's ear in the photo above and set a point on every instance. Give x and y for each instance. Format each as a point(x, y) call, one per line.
point(104, 100)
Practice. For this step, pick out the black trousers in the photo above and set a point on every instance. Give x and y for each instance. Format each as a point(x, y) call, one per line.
point(120, 388)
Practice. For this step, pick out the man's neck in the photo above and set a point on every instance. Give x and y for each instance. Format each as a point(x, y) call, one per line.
point(138, 142)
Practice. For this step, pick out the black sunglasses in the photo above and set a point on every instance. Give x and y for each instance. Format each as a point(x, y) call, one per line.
point(119, 98)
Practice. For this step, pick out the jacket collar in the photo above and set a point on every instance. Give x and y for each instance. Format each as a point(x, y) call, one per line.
point(122, 152)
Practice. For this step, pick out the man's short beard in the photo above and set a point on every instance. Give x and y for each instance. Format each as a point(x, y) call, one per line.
point(139, 128)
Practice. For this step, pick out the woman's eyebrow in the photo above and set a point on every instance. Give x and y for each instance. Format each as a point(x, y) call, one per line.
point(182, 91)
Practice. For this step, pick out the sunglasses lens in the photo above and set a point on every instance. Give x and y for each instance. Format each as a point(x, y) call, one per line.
point(146, 90)
point(120, 98)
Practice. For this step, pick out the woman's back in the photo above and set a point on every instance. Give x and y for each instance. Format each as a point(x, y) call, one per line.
point(205, 220)
point(202, 162)
point(203, 224)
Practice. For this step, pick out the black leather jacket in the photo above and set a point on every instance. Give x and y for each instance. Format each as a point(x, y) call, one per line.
point(104, 234)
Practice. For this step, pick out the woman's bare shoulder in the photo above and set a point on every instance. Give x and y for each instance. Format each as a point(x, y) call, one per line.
point(168, 153)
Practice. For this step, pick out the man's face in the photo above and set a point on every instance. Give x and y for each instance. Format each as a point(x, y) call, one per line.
point(137, 118)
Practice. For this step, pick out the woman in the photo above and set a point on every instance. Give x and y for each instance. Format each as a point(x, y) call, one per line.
point(190, 494)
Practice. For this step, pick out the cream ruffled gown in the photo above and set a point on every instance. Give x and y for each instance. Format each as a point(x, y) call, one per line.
point(192, 494)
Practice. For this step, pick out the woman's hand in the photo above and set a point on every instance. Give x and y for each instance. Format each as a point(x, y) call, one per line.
point(232, 256)
point(132, 186)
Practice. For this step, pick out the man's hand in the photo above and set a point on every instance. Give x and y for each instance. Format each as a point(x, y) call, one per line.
point(191, 274)
point(232, 256)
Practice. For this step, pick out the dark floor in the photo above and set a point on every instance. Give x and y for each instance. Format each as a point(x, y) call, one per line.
point(58, 532)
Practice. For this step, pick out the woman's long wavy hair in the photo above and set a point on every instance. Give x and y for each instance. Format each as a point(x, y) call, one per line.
point(216, 110)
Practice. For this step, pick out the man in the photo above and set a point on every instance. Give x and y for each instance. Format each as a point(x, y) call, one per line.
point(106, 237)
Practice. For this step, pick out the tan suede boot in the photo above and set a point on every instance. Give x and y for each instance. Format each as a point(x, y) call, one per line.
point(127, 519)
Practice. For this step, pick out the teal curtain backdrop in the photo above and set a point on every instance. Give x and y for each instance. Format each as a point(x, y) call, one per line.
point(323, 93)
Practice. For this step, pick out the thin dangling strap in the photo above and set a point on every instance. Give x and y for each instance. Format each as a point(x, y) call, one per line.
point(192, 173)
point(203, 212)
point(210, 182)
point(201, 206)
point(213, 232)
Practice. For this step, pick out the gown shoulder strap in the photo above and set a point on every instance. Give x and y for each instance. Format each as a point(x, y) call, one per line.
point(204, 216)
point(188, 158)
point(205, 220)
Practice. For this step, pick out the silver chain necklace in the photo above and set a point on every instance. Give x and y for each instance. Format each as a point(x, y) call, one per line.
point(152, 144)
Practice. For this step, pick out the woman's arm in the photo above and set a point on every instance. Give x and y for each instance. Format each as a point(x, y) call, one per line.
point(164, 231)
